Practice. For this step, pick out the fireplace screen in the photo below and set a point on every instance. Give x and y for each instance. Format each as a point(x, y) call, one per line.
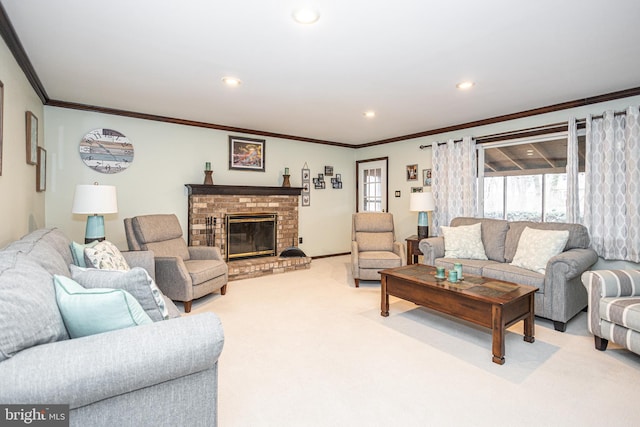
point(250, 235)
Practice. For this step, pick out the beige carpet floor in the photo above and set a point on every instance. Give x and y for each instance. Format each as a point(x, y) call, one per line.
point(307, 348)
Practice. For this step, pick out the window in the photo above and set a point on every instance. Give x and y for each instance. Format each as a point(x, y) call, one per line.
point(526, 180)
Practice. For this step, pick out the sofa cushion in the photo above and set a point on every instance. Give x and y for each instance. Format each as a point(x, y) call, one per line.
point(578, 235)
point(469, 266)
point(463, 242)
point(105, 256)
point(94, 311)
point(511, 273)
point(203, 270)
point(537, 247)
point(494, 234)
point(28, 312)
point(623, 311)
point(378, 260)
point(135, 281)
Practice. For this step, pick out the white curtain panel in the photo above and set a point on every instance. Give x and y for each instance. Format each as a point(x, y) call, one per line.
point(573, 199)
point(454, 181)
point(612, 192)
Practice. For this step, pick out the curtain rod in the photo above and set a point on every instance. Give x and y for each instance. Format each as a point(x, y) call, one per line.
point(539, 130)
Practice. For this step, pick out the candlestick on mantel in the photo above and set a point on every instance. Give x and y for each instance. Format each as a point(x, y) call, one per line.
point(285, 181)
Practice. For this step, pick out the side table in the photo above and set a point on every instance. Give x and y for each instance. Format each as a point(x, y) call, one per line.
point(412, 249)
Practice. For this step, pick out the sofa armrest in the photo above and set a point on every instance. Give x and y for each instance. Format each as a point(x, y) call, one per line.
point(205, 252)
point(612, 283)
point(84, 370)
point(399, 249)
point(142, 259)
point(173, 279)
point(571, 263)
point(432, 248)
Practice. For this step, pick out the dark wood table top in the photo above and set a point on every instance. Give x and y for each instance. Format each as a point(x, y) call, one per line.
point(472, 286)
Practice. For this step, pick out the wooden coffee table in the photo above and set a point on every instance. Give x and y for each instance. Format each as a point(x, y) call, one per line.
point(491, 303)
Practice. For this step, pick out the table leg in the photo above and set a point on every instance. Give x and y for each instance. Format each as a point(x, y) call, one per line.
point(497, 323)
point(384, 297)
point(529, 322)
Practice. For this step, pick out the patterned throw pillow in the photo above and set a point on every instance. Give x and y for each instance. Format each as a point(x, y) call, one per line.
point(464, 242)
point(105, 256)
point(537, 247)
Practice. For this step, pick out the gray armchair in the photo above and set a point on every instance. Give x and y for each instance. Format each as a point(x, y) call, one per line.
point(373, 246)
point(183, 273)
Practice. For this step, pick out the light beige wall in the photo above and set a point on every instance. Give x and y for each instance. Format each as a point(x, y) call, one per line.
point(408, 152)
point(167, 156)
point(23, 209)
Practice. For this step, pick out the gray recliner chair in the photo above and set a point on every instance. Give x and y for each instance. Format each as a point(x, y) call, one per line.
point(183, 273)
point(373, 246)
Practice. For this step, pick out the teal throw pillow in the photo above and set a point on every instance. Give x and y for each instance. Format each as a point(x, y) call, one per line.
point(93, 311)
point(77, 252)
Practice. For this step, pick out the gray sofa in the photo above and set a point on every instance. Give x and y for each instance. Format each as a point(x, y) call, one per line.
point(160, 374)
point(560, 294)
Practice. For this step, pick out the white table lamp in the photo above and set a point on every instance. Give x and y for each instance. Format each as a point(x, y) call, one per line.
point(422, 203)
point(95, 200)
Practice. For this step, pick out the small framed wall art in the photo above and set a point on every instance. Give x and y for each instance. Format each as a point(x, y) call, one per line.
point(41, 170)
point(32, 138)
point(306, 186)
point(412, 172)
point(426, 177)
point(246, 154)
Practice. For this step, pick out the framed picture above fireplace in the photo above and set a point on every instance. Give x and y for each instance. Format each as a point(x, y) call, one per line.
point(246, 153)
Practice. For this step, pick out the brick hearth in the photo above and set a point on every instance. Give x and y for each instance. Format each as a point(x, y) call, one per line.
point(215, 201)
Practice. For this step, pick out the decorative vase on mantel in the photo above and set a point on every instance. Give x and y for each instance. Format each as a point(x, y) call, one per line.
point(208, 177)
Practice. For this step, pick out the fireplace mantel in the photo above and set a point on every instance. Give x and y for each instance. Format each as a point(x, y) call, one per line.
point(242, 190)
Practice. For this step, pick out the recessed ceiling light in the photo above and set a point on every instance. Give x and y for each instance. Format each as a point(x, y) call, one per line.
point(369, 114)
point(465, 85)
point(306, 16)
point(231, 81)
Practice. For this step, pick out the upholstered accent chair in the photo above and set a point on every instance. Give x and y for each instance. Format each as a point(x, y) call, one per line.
point(183, 273)
point(373, 246)
point(614, 307)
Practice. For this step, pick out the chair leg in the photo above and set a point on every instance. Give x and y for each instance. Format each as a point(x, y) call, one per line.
point(559, 326)
point(601, 343)
point(187, 306)
point(357, 282)
point(223, 290)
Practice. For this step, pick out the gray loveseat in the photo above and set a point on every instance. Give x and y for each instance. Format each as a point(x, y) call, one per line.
point(160, 374)
point(560, 294)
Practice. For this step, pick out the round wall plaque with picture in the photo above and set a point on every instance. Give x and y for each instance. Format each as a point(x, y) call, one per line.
point(106, 151)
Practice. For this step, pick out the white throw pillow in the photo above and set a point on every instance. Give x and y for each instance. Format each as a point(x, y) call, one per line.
point(464, 242)
point(105, 256)
point(537, 247)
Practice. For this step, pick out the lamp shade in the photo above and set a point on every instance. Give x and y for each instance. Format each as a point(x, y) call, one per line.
point(95, 199)
point(421, 202)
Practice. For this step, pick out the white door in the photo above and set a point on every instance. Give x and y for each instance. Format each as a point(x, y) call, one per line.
point(372, 180)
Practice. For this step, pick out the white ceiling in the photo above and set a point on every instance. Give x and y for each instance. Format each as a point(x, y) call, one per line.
point(402, 59)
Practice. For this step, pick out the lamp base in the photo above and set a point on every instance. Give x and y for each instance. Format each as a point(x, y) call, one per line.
point(423, 225)
point(95, 229)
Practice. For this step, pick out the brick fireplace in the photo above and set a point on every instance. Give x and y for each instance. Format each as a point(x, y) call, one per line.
point(210, 204)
